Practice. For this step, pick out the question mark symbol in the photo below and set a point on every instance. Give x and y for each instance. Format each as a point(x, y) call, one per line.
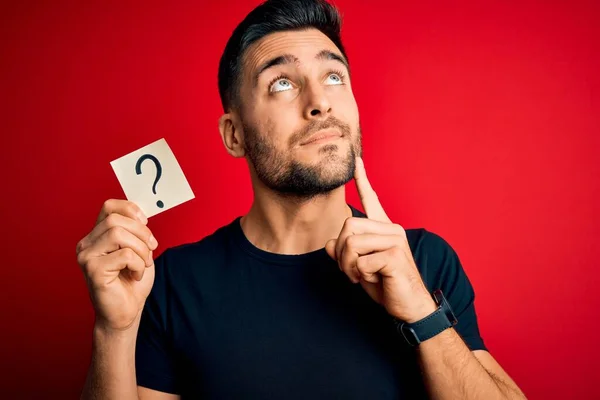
point(138, 170)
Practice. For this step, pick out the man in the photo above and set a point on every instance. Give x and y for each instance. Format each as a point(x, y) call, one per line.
point(304, 296)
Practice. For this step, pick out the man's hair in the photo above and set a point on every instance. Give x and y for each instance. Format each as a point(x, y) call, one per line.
point(269, 17)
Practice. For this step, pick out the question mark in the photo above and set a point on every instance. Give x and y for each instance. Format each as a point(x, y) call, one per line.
point(138, 170)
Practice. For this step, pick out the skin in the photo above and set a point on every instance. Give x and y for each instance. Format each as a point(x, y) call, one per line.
point(299, 206)
point(299, 197)
point(289, 216)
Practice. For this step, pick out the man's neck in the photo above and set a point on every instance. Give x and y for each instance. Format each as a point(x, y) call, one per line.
point(290, 226)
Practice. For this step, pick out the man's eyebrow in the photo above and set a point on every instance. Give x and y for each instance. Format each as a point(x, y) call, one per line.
point(330, 55)
point(279, 60)
point(290, 58)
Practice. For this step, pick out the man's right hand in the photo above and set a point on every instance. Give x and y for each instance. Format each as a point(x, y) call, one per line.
point(116, 260)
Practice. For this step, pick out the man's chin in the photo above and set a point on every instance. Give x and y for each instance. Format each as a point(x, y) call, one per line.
point(309, 181)
point(335, 166)
point(336, 174)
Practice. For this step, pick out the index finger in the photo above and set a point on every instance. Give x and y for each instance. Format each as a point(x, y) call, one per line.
point(368, 197)
point(123, 207)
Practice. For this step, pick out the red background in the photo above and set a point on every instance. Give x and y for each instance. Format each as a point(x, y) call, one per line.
point(481, 123)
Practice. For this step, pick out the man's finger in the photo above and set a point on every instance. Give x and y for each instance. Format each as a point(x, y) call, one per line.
point(360, 245)
point(373, 265)
point(330, 248)
point(358, 226)
point(123, 207)
point(368, 197)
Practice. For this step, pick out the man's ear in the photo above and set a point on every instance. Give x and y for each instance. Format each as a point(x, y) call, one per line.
point(232, 134)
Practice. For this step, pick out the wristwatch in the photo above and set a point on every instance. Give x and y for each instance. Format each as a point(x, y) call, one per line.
point(426, 328)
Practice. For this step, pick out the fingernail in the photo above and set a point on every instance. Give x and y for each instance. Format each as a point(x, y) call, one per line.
point(152, 241)
point(150, 258)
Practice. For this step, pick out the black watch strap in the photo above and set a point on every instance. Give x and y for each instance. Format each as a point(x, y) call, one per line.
point(428, 327)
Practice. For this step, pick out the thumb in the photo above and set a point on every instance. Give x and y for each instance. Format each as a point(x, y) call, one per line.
point(330, 247)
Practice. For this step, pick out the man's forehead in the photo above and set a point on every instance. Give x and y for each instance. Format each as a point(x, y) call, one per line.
point(304, 45)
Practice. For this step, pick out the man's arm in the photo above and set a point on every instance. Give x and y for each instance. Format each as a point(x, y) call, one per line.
point(112, 371)
point(376, 253)
point(452, 371)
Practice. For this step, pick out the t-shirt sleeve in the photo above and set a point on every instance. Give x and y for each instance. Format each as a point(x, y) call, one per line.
point(154, 358)
point(443, 270)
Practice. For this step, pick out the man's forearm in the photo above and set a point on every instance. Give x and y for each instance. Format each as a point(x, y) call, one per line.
point(112, 370)
point(451, 371)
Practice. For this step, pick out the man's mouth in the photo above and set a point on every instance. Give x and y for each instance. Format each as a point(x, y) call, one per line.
point(323, 136)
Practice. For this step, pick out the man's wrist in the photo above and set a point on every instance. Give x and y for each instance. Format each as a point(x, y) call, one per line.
point(103, 331)
point(426, 308)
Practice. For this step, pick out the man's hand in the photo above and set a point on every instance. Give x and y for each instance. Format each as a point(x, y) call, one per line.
point(116, 260)
point(375, 252)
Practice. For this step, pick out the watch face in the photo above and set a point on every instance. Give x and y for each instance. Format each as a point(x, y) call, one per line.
point(450, 315)
point(410, 335)
point(441, 300)
point(438, 296)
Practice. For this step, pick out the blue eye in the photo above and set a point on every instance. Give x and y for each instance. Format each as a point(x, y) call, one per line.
point(280, 85)
point(337, 79)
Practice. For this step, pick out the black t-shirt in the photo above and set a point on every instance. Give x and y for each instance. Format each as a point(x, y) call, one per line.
point(226, 320)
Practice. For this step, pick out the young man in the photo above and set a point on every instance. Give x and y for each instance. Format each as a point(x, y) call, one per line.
point(304, 296)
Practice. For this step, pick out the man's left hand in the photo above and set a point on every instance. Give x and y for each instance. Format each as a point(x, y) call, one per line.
point(375, 252)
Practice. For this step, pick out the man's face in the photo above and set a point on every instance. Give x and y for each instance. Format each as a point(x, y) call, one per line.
point(294, 91)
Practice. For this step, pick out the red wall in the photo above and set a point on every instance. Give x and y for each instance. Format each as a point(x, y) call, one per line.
point(481, 123)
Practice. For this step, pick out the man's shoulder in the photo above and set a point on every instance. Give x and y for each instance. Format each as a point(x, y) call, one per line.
point(211, 247)
point(422, 240)
point(435, 258)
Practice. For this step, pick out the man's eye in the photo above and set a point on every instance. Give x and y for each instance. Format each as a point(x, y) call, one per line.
point(335, 79)
point(281, 85)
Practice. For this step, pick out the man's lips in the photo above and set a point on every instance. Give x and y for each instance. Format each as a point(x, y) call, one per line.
point(322, 136)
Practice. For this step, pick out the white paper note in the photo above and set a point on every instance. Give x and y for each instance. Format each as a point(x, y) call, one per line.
point(152, 178)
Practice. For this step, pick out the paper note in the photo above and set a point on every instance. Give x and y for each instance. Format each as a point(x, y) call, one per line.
point(152, 178)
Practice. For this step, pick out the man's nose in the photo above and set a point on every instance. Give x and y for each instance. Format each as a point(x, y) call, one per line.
point(317, 104)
